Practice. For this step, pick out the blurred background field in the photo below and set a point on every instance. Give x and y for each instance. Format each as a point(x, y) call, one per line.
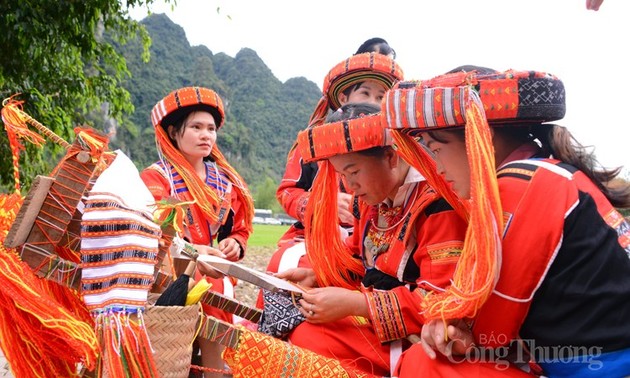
point(260, 246)
point(266, 235)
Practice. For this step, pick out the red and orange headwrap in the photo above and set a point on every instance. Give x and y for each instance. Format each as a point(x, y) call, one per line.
point(510, 97)
point(342, 137)
point(332, 263)
point(470, 99)
point(350, 71)
point(175, 107)
point(179, 103)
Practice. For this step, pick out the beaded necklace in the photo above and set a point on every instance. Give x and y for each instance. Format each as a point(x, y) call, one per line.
point(379, 238)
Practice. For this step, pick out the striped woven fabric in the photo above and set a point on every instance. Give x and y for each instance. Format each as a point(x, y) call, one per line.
point(119, 240)
point(358, 68)
point(507, 97)
point(166, 112)
point(336, 138)
point(214, 177)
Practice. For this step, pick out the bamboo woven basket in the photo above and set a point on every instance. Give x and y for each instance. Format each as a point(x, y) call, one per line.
point(172, 330)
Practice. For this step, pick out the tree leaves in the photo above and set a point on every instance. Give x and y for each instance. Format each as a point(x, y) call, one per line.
point(55, 55)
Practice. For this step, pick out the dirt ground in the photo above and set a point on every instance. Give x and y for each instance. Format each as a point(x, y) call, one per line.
point(255, 258)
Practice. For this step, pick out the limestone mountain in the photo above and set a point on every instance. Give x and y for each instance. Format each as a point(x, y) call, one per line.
point(263, 115)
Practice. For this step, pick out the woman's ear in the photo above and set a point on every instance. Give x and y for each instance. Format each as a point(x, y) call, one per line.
point(342, 98)
point(171, 132)
point(392, 157)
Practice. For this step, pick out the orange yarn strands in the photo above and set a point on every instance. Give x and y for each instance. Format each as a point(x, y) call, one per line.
point(12, 112)
point(480, 261)
point(126, 350)
point(170, 212)
point(205, 197)
point(415, 155)
point(9, 207)
point(15, 123)
point(332, 262)
point(239, 185)
point(40, 338)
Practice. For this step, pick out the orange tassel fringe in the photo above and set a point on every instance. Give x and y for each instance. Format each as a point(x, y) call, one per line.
point(479, 264)
point(332, 261)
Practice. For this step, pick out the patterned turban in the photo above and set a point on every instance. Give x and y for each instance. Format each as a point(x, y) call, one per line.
point(179, 103)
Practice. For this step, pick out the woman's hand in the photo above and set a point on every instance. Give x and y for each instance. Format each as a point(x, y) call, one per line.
point(327, 304)
point(344, 202)
point(304, 277)
point(458, 341)
point(230, 248)
point(205, 268)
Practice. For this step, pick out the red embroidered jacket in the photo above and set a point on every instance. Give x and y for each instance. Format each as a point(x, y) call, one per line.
point(421, 257)
point(565, 269)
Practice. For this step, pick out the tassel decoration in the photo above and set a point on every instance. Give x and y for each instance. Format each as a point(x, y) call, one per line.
point(331, 260)
point(478, 267)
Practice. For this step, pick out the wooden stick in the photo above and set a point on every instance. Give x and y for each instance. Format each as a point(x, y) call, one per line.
point(25, 218)
point(44, 130)
point(232, 306)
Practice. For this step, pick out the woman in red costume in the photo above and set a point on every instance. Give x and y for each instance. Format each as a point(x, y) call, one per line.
point(557, 303)
point(366, 289)
point(363, 77)
point(192, 169)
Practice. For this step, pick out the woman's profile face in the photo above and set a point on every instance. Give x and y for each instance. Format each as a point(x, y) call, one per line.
point(451, 159)
point(197, 136)
point(370, 178)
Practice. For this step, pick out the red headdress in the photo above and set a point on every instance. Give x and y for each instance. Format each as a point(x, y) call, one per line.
point(470, 99)
point(350, 71)
point(333, 265)
point(176, 106)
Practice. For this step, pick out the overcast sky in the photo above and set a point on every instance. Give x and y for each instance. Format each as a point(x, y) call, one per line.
point(588, 50)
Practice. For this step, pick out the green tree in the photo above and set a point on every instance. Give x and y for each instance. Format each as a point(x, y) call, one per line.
point(56, 57)
point(265, 195)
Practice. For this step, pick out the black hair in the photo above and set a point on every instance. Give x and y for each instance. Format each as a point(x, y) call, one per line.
point(564, 147)
point(352, 88)
point(470, 67)
point(351, 111)
point(378, 45)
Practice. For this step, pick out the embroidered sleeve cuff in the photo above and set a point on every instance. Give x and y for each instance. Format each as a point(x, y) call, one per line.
point(386, 315)
point(301, 206)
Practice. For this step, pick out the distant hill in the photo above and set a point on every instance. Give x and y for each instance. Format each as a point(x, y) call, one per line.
point(263, 116)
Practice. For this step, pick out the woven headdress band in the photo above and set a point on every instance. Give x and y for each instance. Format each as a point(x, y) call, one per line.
point(330, 139)
point(359, 68)
point(353, 70)
point(507, 97)
point(179, 103)
point(473, 100)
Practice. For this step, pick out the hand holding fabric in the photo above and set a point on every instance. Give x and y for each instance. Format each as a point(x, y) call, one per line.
point(304, 277)
point(230, 248)
point(205, 268)
point(327, 304)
